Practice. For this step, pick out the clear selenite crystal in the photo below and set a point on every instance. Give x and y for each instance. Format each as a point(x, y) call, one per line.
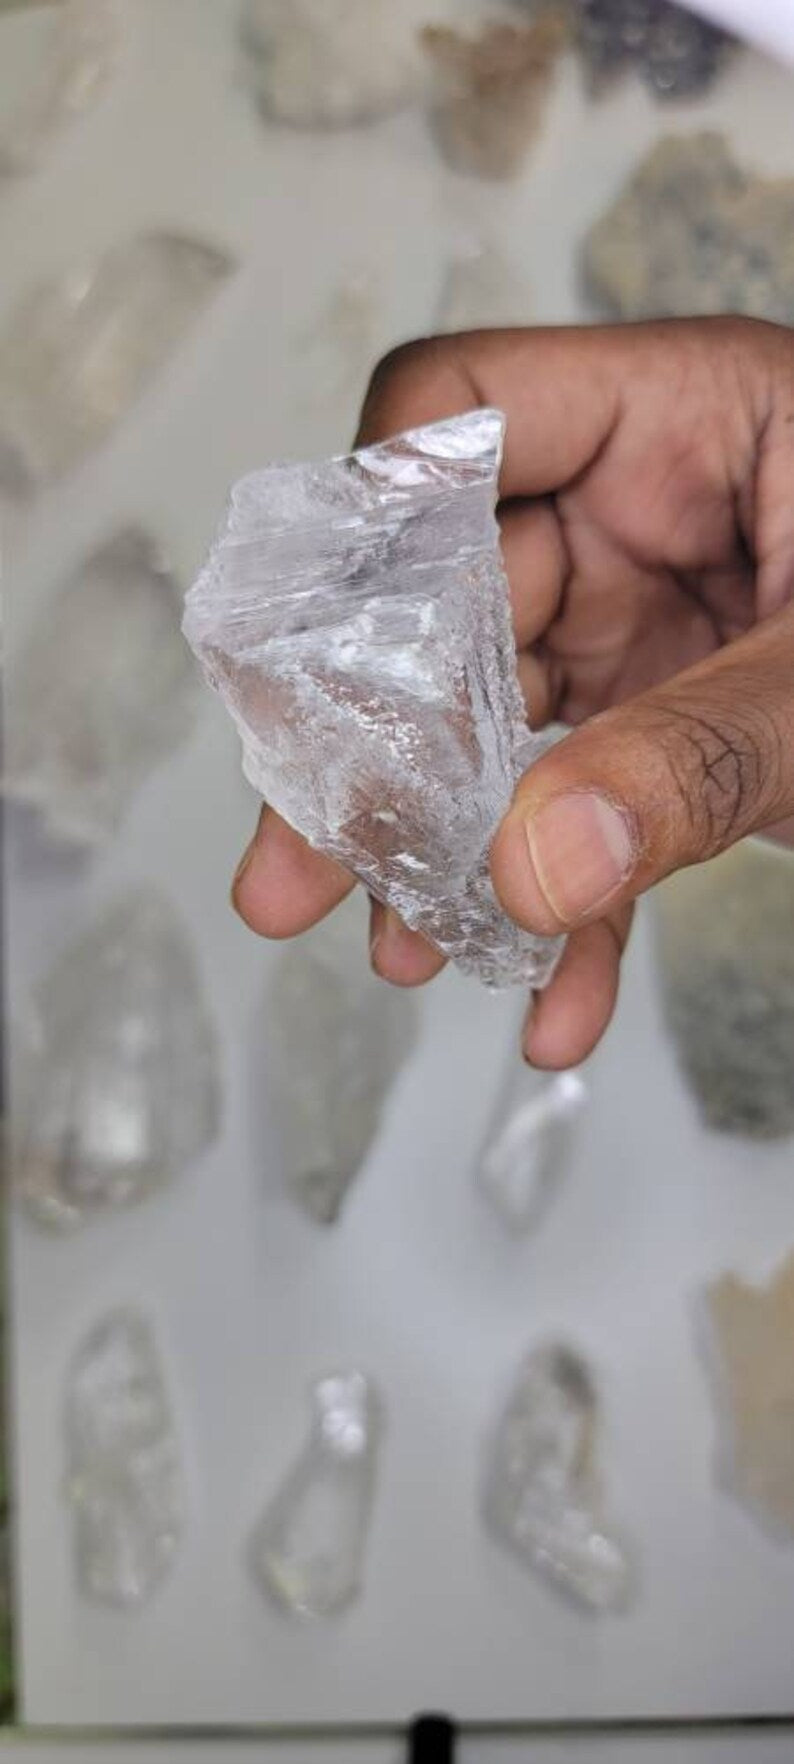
point(76, 353)
point(338, 1037)
point(101, 691)
point(491, 91)
point(120, 1087)
point(542, 1495)
point(674, 52)
point(693, 233)
point(354, 617)
point(308, 1548)
point(124, 1480)
point(79, 53)
point(752, 1341)
point(528, 1150)
point(330, 63)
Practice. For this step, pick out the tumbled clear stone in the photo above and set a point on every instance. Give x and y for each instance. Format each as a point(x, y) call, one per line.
point(308, 1549)
point(101, 691)
point(482, 289)
point(674, 52)
point(693, 233)
point(124, 1480)
point(338, 1037)
point(354, 617)
point(76, 353)
point(120, 1089)
point(491, 91)
point(543, 1496)
point(752, 1342)
point(528, 1150)
point(329, 63)
point(77, 55)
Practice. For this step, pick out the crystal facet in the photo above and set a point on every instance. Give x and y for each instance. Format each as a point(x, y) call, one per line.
point(102, 690)
point(692, 233)
point(124, 1481)
point(752, 1330)
point(542, 1495)
point(355, 618)
point(79, 54)
point(491, 91)
point(528, 1150)
point(338, 1038)
point(308, 1548)
point(76, 353)
point(674, 52)
point(121, 1086)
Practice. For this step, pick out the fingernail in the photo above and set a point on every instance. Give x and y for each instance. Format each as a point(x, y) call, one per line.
point(387, 923)
point(581, 849)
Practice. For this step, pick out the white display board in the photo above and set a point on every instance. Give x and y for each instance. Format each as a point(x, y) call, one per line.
point(417, 1283)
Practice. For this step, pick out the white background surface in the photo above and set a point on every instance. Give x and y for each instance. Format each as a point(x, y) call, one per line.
point(417, 1283)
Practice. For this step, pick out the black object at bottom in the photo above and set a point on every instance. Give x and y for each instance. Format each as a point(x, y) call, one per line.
point(431, 1740)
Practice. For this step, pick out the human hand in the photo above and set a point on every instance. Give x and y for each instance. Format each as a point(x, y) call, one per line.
point(647, 523)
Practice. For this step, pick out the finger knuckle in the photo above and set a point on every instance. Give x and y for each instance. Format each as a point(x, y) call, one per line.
point(721, 763)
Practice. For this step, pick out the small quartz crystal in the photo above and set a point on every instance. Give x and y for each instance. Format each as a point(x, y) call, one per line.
point(693, 233)
point(308, 1548)
point(752, 1340)
point(76, 353)
point(338, 1037)
point(543, 1496)
point(676, 53)
point(124, 1479)
point(120, 1086)
point(107, 660)
point(491, 91)
point(354, 617)
point(79, 53)
point(528, 1150)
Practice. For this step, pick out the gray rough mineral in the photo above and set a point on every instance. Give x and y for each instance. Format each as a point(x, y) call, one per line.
point(676, 53)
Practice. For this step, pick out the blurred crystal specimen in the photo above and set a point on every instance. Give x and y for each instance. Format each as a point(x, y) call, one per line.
point(329, 63)
point(677, 54)
point(337, 351)
point(120, 1087)
point(752, 1329)
point(108, 662)
point(481, 289)
point(76, 353)
point(78, 54)
point(124, 1480)
point(543, 1497)
point(528, 1151)
point(354, 617)
point(694, 233)
point(491, 91)
point(339, 1037)
point(308, 1548)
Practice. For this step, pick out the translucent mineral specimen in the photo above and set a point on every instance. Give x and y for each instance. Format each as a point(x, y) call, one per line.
point(328, 63)
point(543, 1496)
point(338, 1039)
point(482, 288)
point(752, 1329)
point(339, 349)
point(78, 55)
point(76, 353)
point(726, 944)
point(676, 53)
point(694, 233)
point(108, 662)
point(528, 1150)
point(354, 617)
point(308, 1549)
point(491, 91)
point(120, 1090)
point(124, 1480)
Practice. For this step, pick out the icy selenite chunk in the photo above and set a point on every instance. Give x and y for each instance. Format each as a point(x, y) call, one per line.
point(124, 1481)
point(101, 691)
point(308, 1549)
point(120, 1089)
point(529, 1148)
point(338, 1038)
point(542, 1496)
point(80, 51)
point(752, 1331)
point(354, 617)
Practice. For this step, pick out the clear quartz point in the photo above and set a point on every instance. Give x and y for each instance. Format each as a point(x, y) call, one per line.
point(308, 1548)
point(76, 353)
point(752, 1358)
point(542, 1495)
point(108, 662)
point(528, 1149)
point(338, 1037)
point(354, 617)
point(124, 1480)
point(78, 54)
point(120, 1086)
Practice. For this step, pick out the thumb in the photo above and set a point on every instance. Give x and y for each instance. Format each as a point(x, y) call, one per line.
point(662, 781)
